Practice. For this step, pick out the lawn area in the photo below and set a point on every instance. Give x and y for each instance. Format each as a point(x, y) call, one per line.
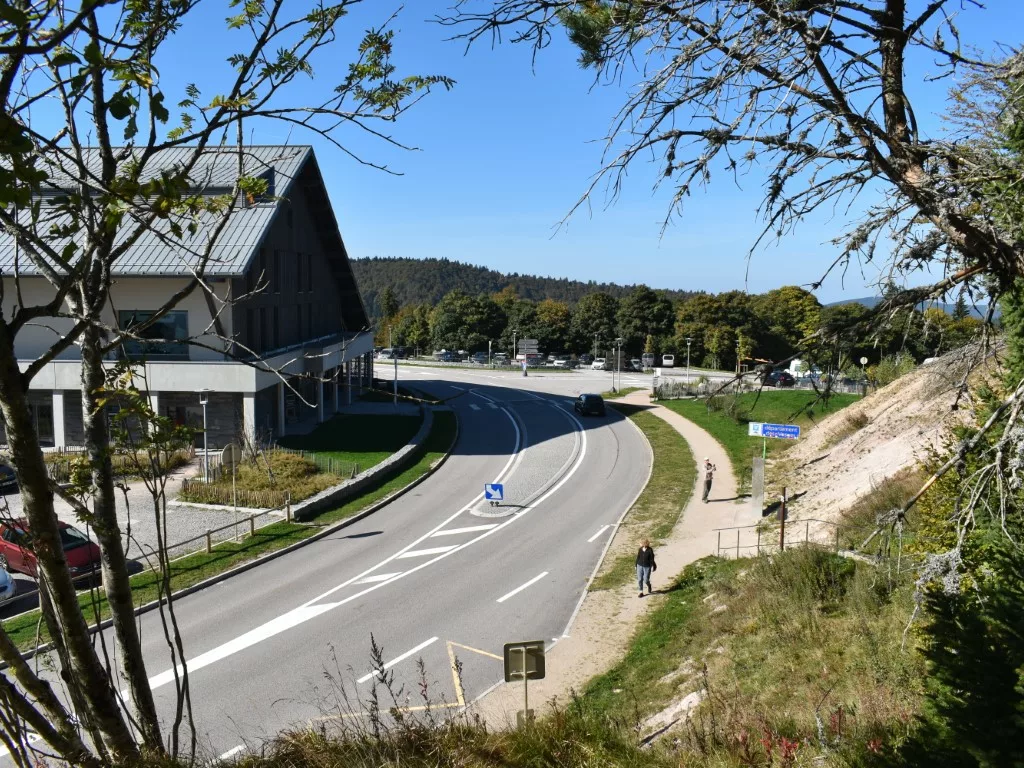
point(612, 395)
point(663, 499)
point(194, 568)
point(364, 439)
point(778, 407)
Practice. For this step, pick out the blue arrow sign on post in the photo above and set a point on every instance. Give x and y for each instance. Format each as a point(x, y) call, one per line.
point(779, 431)
point(494, 492)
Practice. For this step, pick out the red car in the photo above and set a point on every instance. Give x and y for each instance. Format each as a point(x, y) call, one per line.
point(16, 553)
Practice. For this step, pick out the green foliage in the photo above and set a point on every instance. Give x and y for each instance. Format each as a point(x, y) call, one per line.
point(641, 313)
point(595, 314)
point(891, 368)
point(460, 321)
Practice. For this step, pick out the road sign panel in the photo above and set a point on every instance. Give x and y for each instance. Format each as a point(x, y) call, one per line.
point(526, 345)
point(494, 492)
point(777, 431)
point(230, 456)
point(524, 660)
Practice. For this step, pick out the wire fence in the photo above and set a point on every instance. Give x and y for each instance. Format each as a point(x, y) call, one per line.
point(61, 463)
point(764, 538)
point(198, 491)
point(677, 388)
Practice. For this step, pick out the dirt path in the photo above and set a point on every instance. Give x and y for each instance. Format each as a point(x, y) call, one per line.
point(601, 632)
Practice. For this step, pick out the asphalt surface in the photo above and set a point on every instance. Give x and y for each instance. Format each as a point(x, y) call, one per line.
point(435, 575)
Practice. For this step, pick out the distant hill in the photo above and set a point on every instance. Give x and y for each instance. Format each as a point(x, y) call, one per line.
point(417, 281)
point(979, 311)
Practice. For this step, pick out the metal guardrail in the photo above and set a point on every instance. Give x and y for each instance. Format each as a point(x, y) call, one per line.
point(777, 542)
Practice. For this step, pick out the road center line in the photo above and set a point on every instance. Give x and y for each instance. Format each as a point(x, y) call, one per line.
point(517, 590)
point(378, 577)
point(469, 529)
point(474, 406)
point(430, 551)
point(600, 530)
point(398, 659)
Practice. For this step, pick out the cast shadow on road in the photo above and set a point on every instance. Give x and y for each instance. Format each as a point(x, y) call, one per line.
point(26, 594)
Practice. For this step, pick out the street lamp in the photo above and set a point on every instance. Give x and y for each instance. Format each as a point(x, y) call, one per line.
point(514, 350)
point(738, 342)
point(595, 345)
point(618, 363)
point(395, 358)
point(204, 398)
point(688, 340)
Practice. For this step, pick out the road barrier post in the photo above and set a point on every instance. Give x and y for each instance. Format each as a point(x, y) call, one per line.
point(807, 532)
point(252, 525)
point(718, 549)
point(782, 523)
point(737, 543)
point(288, 506)
point(209, 541)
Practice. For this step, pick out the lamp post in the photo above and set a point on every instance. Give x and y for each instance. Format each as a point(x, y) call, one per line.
point(618, 363)
point(395, 358)
point(738, 342)
point(688, 341)
point(204, 398)
point(514, 350)
point(488, 353)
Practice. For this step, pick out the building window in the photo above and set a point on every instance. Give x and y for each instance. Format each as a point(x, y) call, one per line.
point(309, 272)
point(264, 335)
point(299, 282)
point(276, 287)
point(276, 330)
point(309, 321)
point(166, 337)
point(298, 323)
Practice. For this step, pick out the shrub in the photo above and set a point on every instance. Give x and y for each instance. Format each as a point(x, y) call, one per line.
point(891, 368)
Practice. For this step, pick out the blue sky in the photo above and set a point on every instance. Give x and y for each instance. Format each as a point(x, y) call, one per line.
point(504, 156)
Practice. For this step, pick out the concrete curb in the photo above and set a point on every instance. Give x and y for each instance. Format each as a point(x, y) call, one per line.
point(249, 565)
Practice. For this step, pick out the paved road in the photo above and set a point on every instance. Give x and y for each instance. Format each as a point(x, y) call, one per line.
point(436, 574)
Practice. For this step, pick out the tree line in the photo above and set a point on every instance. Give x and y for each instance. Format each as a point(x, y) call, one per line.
point(427, 281)
point(768, 327)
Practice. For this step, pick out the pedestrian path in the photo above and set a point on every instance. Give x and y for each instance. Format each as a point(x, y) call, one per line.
point(607, 619)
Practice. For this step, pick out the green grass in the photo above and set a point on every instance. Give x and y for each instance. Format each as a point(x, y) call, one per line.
point(197, 567)
point(364, 439)
point(613, 395)
point(779, 407)
point(663, 499)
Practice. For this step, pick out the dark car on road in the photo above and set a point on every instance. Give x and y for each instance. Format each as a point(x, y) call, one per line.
point(779, 379)
point(586, 358)
point(450, 357)
point(480, 358)
point(16, 553)
point(589, 405)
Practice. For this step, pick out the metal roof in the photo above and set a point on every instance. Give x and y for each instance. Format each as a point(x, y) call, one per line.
point(157, 251)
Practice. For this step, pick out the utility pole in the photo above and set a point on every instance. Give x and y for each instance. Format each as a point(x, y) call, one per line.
point(618, 363)
point(395, 358)
point(688, 340)
point(514, 348)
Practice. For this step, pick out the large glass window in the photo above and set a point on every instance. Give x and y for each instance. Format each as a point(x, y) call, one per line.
point(166, 337)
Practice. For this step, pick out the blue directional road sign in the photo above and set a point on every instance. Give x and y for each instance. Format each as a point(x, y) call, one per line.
point(494, 492)
point(780, 431)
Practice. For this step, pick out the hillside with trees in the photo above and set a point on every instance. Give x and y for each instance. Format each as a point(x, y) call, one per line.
point(427, 281)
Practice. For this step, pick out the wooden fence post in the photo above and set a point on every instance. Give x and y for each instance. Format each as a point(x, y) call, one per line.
point(209, 541)
point(252, 525)
point(288, 506)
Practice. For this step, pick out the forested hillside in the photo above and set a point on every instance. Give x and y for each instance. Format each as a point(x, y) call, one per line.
point(425, 281)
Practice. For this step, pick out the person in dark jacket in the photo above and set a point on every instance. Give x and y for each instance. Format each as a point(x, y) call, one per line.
point(645, 565)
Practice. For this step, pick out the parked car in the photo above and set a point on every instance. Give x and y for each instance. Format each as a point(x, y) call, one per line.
point(16, 553)
point(8, 480)
point(647, 359)
point(589, 405)
point(500, 358)
point(779, 379)
point(535, 361)
point(7, 586)
point(386, 354)
point(586, 358)
point(564, 361)
point(599, 364)
point(480, 358)
point(668, 361)
point(450, 357)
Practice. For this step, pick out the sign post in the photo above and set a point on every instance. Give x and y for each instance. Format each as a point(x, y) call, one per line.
point(229, 459)
point(524, 661)
point(494, 493)
point(766, 431)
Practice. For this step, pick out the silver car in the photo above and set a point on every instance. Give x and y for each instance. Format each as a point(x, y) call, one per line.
point(8, 587)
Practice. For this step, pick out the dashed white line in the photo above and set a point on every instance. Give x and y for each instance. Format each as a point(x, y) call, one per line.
point(469, 529)
point(430, 551)
point(492, 405)
point(378, 577)
point(517, 590)
point(474, 406)
point(232, 752)
point(461, 389)
point(600, 530)
point(398, 659)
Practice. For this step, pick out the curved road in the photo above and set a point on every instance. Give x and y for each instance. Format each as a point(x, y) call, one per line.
point(437, 575)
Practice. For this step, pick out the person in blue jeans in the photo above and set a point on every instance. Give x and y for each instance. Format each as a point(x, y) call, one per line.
point(645, 565)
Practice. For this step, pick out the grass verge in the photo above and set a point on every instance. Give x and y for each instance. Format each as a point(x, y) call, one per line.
point(727, 420)
point(363, 439)
point(663, 499)
point(190, 570)
point(611, 394)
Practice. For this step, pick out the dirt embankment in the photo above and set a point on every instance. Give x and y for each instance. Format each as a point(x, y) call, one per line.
point(856, 449)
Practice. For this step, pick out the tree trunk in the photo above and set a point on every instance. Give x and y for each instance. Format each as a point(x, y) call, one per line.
point(37, 503)
point(114, 563)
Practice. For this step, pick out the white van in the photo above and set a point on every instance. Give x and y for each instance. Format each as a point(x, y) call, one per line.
point(668, 361)
point(599, 364)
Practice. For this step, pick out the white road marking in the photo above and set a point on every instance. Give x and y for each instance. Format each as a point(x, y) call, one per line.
point(31, 738)
point(492, 405)
point(308, 610)
point(378, 577)
point(470, 529)
point(600, 530)
point(474, 406)
point(430, 551)
point(396, 660)
point(461, 389)
point(517, 590)
point(232, 752)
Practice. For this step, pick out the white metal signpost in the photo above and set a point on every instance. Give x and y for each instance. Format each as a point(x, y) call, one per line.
point(494, 493)
point(524, 661)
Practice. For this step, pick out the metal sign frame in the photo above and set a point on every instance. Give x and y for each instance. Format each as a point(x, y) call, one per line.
point(517, 657)
point(774, 431)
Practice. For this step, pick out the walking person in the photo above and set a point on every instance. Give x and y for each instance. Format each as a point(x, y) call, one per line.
point(524, 368)
point(709, 476)
point(645, 565)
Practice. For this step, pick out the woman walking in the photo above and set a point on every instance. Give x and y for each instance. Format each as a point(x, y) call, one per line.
point(645, 565)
